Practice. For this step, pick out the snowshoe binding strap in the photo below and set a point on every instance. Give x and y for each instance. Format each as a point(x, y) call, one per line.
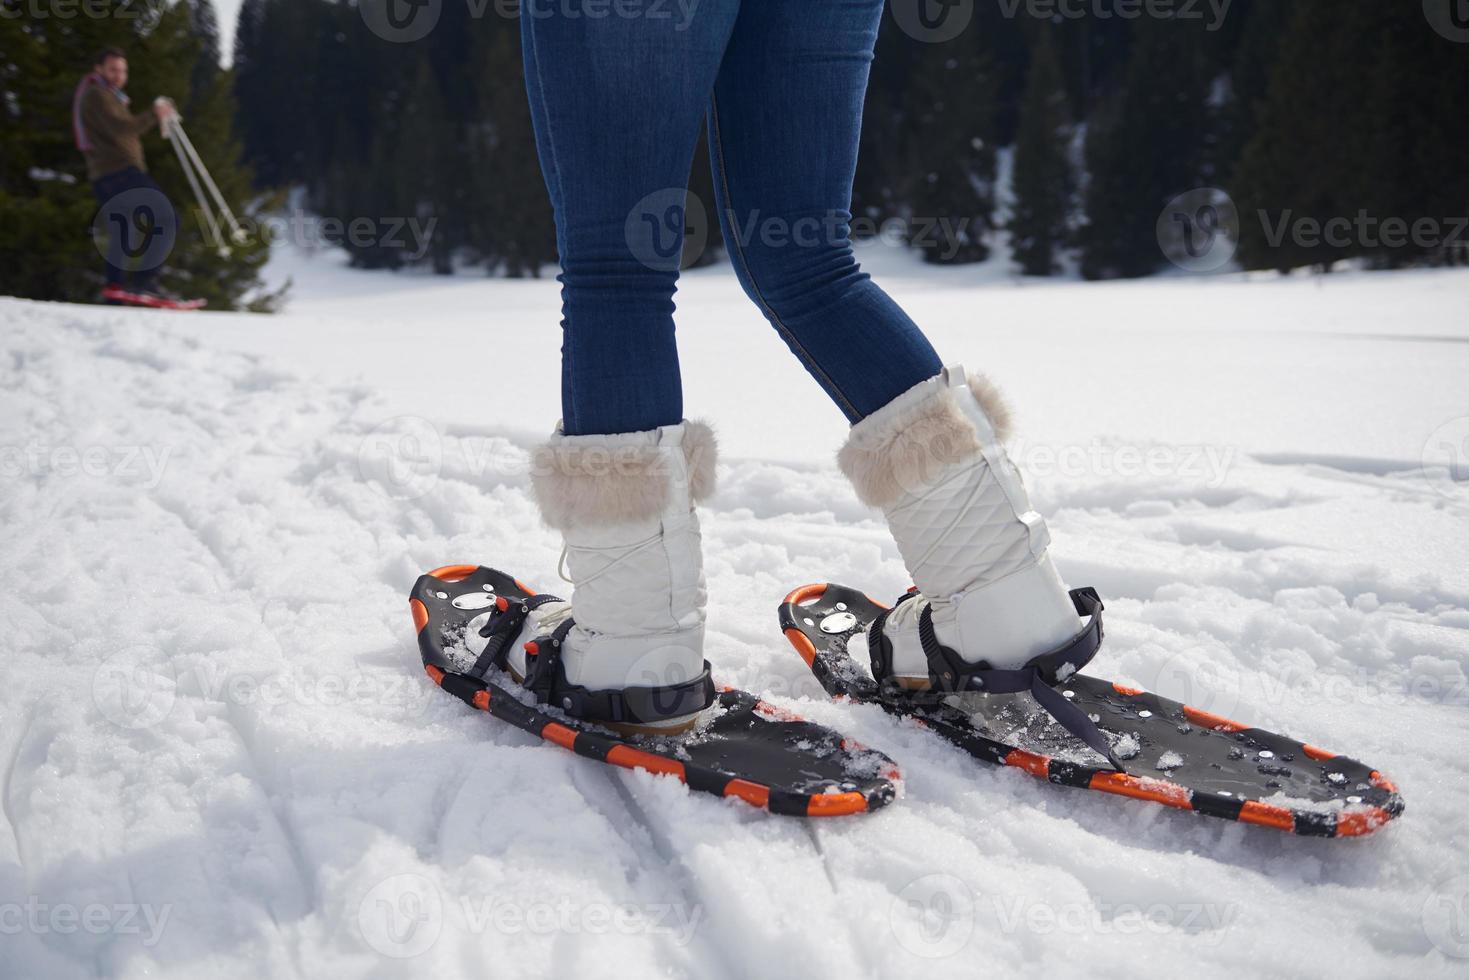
point(502, 627)
point(546, 679)
point(949, 674)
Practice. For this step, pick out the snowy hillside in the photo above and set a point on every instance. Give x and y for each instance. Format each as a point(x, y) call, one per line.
point(220, 756)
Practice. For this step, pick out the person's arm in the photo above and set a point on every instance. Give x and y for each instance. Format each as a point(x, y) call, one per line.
point(144, 121)
point(105, 118)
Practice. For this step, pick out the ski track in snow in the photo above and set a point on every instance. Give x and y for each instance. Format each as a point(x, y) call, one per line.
point(214, 712)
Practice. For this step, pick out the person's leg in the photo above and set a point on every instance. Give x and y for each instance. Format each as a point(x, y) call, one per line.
point(142, 227)
point(107, 188)
point(145, 277)
point(783, 132)
point(926, 446)
point(617, 95)
point(617, 101)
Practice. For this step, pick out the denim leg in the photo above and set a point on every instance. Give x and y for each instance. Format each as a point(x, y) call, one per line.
point(784, 130)
point(132, 256)
point(106, 188)
point(146, 275)
point(617, 96)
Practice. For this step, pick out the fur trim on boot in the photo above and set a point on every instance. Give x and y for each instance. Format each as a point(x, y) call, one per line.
point(594, 481)
point(910, 441)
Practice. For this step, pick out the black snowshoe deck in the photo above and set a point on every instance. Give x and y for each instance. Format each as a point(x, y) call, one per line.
point(1175, 754)
point(742, 747)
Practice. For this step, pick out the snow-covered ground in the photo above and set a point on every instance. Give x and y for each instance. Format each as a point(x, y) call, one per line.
point(221, 757)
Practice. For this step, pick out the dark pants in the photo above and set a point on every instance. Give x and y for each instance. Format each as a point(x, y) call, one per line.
point(140, 224)
point(617, 103)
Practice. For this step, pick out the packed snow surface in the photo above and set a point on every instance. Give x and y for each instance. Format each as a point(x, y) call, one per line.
point(220, 756)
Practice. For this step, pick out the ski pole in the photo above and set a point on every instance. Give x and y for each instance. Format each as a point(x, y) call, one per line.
point(193, 167)
point(237, 234)
point(171, 133)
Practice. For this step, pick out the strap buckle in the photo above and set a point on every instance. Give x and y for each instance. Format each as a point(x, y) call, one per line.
point(949, 674)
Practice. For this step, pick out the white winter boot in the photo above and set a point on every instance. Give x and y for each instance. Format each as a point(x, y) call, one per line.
point(933, 462)
point(633, 656)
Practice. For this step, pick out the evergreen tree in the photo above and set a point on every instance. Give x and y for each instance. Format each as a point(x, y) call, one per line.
point(204, 26)
point(1167, 105)
point(1146, 144)
point(949, 193)
point(510, 212)
point(1362, 124)
point(46, 205)
point(877, 190)
point(1300, 168)
point(1416, 142)
point(1249, 77)
point(46, 201)
point(1042, 180)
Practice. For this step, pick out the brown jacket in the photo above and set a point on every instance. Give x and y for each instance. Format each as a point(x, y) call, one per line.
point(113, 133)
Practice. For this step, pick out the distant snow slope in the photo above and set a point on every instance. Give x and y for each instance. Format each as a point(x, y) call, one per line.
point(221, 758)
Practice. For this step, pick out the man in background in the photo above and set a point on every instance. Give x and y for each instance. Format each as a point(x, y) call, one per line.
point(110, 137)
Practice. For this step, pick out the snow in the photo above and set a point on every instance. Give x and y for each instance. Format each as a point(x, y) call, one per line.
point(220, 757)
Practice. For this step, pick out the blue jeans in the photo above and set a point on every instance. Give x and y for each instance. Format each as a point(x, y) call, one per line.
point(118, 195)
point(618, 90)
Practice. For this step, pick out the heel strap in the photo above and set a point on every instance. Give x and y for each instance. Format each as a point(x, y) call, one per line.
point(546, 679)
point(948, 673)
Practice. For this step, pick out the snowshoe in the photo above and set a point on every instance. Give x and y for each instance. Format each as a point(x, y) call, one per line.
point(1154, 748)
point(150, 298)
point(741, 747)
